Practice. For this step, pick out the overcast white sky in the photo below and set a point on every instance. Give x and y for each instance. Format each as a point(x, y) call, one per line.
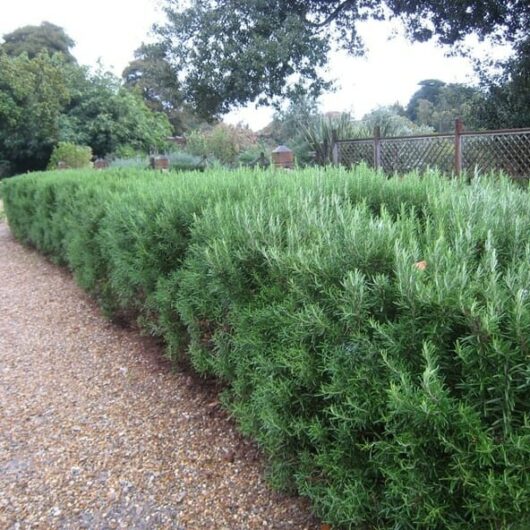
point(111, 30)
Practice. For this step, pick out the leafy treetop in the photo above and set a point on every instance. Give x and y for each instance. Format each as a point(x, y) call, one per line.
point(231, 52)
point(33, 93)
point(156, 80)
point(45, 100)
point(507, 102)
point(436, 104)
point(35, 39)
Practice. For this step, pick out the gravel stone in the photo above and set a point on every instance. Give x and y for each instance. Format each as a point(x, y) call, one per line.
point(98, 431)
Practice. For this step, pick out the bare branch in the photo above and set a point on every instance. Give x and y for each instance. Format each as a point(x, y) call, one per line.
point(340, 8)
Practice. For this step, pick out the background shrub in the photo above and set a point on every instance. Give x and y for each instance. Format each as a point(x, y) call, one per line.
point(134, 162)
point(182, 161)
point(222, 142)
point(72, 155)
point(6, 169)
point(392, 395)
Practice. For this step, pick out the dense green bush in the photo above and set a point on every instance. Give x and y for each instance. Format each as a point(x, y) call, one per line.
point(223, 142)
point(71, 155)
point(393, 395)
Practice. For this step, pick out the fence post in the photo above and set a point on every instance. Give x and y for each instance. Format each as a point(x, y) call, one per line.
point(377, 147)
point(459, 128)
point(335, 154)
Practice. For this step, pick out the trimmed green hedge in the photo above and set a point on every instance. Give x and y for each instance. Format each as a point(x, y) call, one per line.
point(394, 395)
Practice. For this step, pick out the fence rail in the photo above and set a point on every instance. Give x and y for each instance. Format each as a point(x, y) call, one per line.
point(504, 150)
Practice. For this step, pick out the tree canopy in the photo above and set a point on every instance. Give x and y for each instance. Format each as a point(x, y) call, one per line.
point(507, 100)
point(429, 91)
point(33, 40)
point(33, 93)
point(153, 77)
point(231, 52)
point(437, 104)
point(45, 100)
point(109, 118)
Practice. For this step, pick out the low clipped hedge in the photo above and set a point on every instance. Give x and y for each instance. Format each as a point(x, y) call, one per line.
point(372, 334)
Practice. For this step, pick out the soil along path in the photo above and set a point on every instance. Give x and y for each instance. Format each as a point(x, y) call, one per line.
point(96, 431)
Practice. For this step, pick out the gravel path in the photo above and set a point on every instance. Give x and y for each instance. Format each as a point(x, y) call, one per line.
point(96, 431)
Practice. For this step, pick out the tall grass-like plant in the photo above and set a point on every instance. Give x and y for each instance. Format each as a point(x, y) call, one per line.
point(322, 132)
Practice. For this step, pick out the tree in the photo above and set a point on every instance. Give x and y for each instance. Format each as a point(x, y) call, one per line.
point(450, 23)
point(429, 91)
point(391, 122)
point(45, 100)
point(33, 40)
point(33, 93)
point(437, 105)
point(231, 52)
point(108, 117)
point(288, 123)
point(507, 99)
point(156, 80)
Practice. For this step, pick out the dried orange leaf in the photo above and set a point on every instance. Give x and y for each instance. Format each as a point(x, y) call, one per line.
point(421, 265)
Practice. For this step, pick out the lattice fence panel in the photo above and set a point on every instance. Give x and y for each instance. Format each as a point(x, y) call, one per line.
point(356, 151)
point(408, 154)
point(508, 152)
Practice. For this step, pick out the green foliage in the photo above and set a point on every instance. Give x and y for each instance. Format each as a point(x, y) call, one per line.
point(391, 122)
point(6, 169)
point(33, 93)
point(183, 161)
point(127, 151)
point(33, 40)
point(107, 117)
point(255, 156)
point(196, 143)
point(437, 105)
point(153, 77)
point(133, 162)
point(322, 131)
point(71, 155)
point(311, 135)
point(393, 395)
point(236, 52)
point(507, 101)
point(45, 100)
point(429, 91)
point(230, 53)
point(223, 142)
point(178, 161)
point(287, 122)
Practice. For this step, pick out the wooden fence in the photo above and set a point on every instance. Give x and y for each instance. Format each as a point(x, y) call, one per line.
point(505, 150)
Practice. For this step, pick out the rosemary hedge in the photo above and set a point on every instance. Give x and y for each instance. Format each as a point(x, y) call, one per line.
point(373, 334)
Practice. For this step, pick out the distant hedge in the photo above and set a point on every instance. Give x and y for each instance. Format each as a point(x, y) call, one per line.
point(373, 334)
